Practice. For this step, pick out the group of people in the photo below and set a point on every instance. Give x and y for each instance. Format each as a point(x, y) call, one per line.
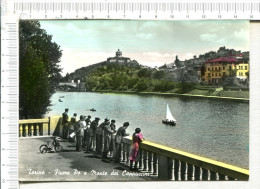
point(90, 135)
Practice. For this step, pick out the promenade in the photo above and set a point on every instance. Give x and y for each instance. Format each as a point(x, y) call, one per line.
point(69, 165)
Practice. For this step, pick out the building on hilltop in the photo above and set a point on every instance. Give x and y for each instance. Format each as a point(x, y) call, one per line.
point(218, 68)
point(118, 58)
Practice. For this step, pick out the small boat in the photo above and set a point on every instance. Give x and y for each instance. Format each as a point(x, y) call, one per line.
point(92, 109)
point(62, 96)
point(60, 100)
point(170, 120)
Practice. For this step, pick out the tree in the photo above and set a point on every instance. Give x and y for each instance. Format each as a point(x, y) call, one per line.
point(39, 69)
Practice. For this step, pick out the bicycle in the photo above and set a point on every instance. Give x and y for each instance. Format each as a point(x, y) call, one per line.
point(55, 144)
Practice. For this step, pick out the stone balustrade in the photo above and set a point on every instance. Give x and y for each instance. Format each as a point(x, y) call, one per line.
point(34, 127)
point(40, 127)
point(162, 162)
point(171, 164)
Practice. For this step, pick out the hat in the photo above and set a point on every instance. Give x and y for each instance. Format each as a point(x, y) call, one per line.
point(97, 118)
point(81, 117)
point(67, 109)
point(113, 121)
point(126, 124)
point(106, 119)
point(137, 130)
point(89, 116)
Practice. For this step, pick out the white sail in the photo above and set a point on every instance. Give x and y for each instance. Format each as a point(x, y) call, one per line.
point(169, 116)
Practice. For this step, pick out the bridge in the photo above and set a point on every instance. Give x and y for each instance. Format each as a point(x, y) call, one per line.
point(157, 162)
point(70, 84)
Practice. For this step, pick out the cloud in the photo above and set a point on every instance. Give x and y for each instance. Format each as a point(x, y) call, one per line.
point(212, 38)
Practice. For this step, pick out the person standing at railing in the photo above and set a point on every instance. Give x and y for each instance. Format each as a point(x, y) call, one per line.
point(118, 141)
point(92, 135)
point(100, 134)
point(65, 123)
point(113, 128)
point(107, 139)
point(112, 125)
point(86, 132)
point(134, 154)
point(73, 121)
point(79, 130)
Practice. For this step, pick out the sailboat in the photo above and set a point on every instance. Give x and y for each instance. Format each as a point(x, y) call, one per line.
point(170, 120)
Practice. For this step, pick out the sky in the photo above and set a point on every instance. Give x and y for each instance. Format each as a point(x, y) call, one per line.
point(151, 43)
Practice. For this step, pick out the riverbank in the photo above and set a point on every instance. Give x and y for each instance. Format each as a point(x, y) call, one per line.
point(222, 95)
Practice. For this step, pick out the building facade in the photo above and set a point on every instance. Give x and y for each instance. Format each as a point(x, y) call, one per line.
point(218, 68)
point(118, 58)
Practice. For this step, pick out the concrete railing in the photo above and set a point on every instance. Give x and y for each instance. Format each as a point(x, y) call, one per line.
point(40, 127)
point(163, 162)
point(172, 164)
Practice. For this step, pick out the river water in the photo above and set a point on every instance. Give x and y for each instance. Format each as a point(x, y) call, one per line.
point(211, 128)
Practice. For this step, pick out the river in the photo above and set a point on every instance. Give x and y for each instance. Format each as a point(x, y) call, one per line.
point(211, 128)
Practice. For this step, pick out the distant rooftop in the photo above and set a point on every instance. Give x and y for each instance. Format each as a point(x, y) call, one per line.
point(222, 59)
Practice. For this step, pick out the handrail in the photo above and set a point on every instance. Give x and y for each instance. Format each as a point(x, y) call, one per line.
point(30, 121)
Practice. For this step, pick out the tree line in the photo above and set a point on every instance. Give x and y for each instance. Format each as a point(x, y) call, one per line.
point(133, 78)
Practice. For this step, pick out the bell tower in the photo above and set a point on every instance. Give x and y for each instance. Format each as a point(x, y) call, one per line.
point(118, 53)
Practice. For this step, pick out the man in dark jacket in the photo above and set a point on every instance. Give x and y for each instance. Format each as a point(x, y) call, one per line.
point(65, 123)
point(118, 141)
point(92, 134)
point(112, 125)
point(107, 139)
point(100, 134)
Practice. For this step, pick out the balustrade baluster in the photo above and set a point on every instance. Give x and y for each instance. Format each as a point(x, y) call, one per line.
point(145, 160)
point(190, 172)
point(37, 133)
point(32, 130)
point(217, 176)
point(155, 164)
point(197, 173)
point(26, 130)
point(141, 159)
point(150, 162)
point(183, 170)
point(171, 163)
point(177, 169)
point(20, 130)
point(205, 174)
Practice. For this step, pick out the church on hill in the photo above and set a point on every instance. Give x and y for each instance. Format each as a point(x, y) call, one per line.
point(118, 58)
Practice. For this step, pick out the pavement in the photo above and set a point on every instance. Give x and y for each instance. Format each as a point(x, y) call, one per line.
point(69, 165)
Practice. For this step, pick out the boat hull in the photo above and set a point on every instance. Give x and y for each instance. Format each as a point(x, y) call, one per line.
point(172, 123)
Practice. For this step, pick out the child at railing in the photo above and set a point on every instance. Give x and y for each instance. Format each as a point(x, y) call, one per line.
point(134, 154)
